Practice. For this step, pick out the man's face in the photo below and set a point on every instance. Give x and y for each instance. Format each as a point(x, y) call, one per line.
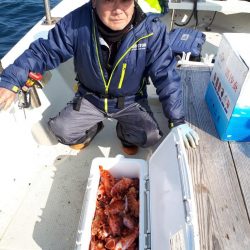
point(115, 14)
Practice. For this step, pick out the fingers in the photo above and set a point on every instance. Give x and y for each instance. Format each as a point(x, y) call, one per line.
point(185, 140)
point(195, 137)
point(191, 140)
point(6, 98)
point(8, 103)
point(2, 103)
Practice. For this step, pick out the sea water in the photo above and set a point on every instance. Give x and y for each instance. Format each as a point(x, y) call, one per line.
point(16, 18)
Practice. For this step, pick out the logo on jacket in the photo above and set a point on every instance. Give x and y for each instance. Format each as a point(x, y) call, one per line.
point(139, 46)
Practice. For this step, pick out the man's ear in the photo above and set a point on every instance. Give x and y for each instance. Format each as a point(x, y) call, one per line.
point(93, 3)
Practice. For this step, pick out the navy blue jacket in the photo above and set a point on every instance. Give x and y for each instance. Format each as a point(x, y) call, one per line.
point(145, 51)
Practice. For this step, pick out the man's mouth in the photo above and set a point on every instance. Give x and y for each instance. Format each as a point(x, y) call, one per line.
point(116, 20)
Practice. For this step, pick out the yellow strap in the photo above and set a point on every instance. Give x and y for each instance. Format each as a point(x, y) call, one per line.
point(15, 89)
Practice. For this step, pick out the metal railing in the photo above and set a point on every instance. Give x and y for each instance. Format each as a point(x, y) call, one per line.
point(49, 19)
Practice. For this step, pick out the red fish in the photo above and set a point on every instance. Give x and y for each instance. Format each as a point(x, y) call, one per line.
point(125, 242)
point(115, 207)
point(121, 187)
point(107, 180)
point(115, 223)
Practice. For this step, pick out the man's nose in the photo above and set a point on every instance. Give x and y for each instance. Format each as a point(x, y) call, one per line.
point(117, 6)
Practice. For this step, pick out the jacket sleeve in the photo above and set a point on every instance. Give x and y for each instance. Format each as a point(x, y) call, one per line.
point(42, 55)
point(161, 69)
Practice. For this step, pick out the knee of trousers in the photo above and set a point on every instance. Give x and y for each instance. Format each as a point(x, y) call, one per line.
point(62, 133)
point(141, 137)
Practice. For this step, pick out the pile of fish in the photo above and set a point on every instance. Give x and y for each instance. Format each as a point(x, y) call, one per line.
point(116, 222)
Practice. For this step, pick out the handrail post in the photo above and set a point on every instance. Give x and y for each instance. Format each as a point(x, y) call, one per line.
point(47, 12)
point(49, 20)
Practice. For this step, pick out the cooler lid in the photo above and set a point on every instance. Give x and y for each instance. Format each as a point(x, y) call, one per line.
point(172, 216)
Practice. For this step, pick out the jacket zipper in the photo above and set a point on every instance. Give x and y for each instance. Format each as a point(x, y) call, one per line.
point(106, 84)
point(124, 66)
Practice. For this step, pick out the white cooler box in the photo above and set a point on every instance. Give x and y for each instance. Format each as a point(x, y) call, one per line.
point(168, 218)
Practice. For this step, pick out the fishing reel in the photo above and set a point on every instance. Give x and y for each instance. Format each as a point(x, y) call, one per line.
point(28, 96)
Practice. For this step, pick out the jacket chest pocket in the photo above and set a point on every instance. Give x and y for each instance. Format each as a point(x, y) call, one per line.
point(136, 62)
point(133, 64)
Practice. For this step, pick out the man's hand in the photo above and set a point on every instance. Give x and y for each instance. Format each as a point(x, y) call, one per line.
point(189, 136)
point(6, 98)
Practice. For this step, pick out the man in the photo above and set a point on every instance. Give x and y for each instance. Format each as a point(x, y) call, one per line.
point(116, 47)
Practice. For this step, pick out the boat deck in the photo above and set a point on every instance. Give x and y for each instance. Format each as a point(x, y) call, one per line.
point(220, 173)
